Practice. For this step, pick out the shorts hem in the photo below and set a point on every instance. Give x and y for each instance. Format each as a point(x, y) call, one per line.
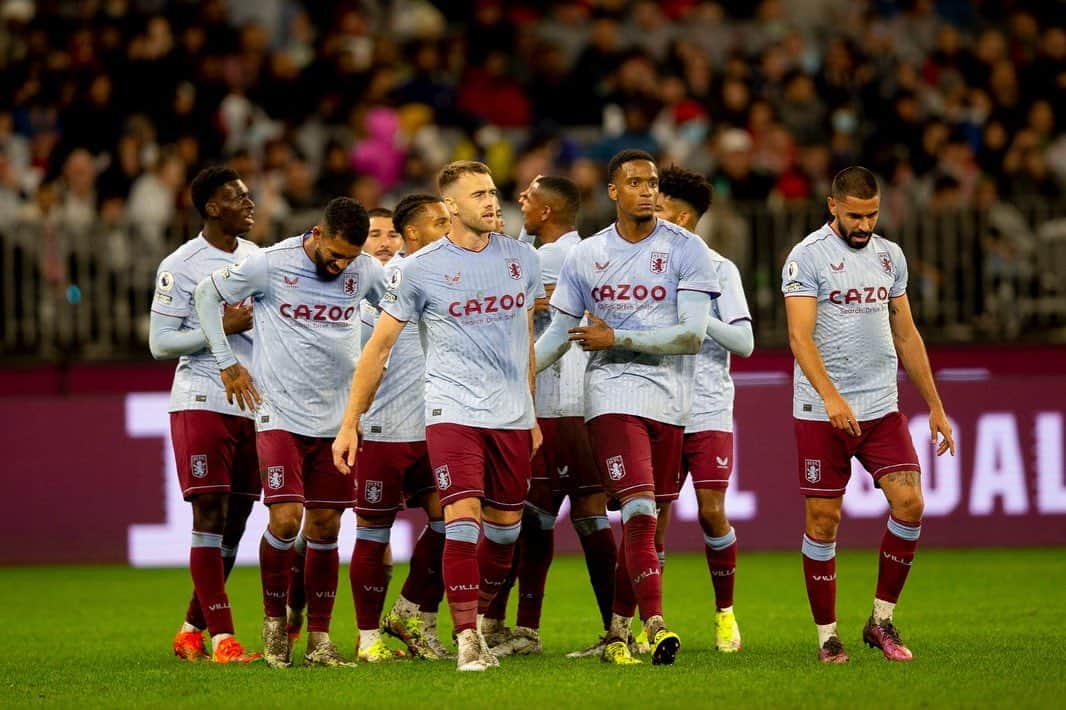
point(895, 468)
point(363, 509)
point(449, 498)
point(712, 485)
point(504, 506)
point(189, 493)
point(822, 492)
point(335, 504)
point(283, 498)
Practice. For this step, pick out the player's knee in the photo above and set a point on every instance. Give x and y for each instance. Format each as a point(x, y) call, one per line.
point(539, 517)
point(323, 523)
point(823, 524)
point(714, 522)
point(209, 513)
point(638, 506)
point(587, 506)
point(502, 533)
point(909, 506)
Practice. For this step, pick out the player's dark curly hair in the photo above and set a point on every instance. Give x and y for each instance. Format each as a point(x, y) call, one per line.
point(626, 156)
point(347, 219)
point(410, 208)
point(687, 186)
point(855, 181)
point(206, 184)
point(567, 197)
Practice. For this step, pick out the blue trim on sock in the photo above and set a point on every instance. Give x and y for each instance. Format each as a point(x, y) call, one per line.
point(300, 543)
point(276, 542)
point(819, 551)
point(371, 534)
point(228, 552)
point(462, 531)
point(205, 539)
point(592, 524)
point(437, 526)
point(637, 506)
point(720, 543)
point(502, 534)
point(904, 531)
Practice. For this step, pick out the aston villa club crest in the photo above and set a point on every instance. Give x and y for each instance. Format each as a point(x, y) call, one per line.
point(514, 269)
point(275, 477)
point(657, 262)
point(199, 466)
point(812, 470)
point(443, 476)
point(886, 262)
point(372, 491)
point(616, 469)
point(351, 284)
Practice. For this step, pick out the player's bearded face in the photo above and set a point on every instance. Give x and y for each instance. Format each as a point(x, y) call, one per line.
point(855, 219)
point(383, 241)
point(332, 256)
point(635, 187)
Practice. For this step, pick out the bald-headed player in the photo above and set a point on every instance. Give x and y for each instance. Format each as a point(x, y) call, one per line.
point(707, 454)
point(393, 471)
point(564, 466)
point(647, 287)
point(472, 294)
point(849, 324)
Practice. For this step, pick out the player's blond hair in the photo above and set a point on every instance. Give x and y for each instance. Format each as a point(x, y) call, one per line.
point(453, 171)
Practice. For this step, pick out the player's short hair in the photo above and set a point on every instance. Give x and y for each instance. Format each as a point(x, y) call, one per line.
point(206, 184)
point(453, 171)
point(409, 208)
point(567, 197)
point(855, 181)
point(347, 219)
point(685, 185)
point(626, 156)
point(380, 212)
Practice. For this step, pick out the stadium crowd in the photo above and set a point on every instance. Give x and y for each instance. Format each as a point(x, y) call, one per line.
point(111, 106)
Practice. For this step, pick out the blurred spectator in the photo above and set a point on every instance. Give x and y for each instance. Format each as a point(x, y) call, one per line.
point(153, 200)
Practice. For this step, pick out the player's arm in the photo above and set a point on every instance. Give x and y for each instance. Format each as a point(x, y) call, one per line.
point(167, 339)
point(802, 312)
point(368, 374)
point(685, 338)
point(555, 340)
point(537, 436)
point(233, 284)
point(736, 337)
point(911, 350)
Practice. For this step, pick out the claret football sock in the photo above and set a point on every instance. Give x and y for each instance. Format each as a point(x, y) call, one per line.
point(898, 547)
point(320, 580)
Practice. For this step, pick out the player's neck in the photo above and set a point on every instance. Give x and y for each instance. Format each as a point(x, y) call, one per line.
point(553, 233)
point(462, 236)
point(219, 239)
point(634, 231)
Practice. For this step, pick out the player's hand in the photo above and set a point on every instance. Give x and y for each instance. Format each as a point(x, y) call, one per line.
point(597, 335)
point(345, 446)
point(841, 416)
point(538, 439)
point(239, 386)
point(541, 304)
point(940, 427)
point(236, 319)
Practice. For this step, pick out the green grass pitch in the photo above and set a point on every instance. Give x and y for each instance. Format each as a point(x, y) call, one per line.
point(984, 625)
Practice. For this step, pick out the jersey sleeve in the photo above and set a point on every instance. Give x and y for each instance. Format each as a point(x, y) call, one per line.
point(248, 278)
point(404, 299)
point(899, 273)
point(569, 294)
point(535, 282)
point(732, 304)
point(799, 277)
point(174, 291)
point(377, 283)
point(696, 270)
point(551, 262)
